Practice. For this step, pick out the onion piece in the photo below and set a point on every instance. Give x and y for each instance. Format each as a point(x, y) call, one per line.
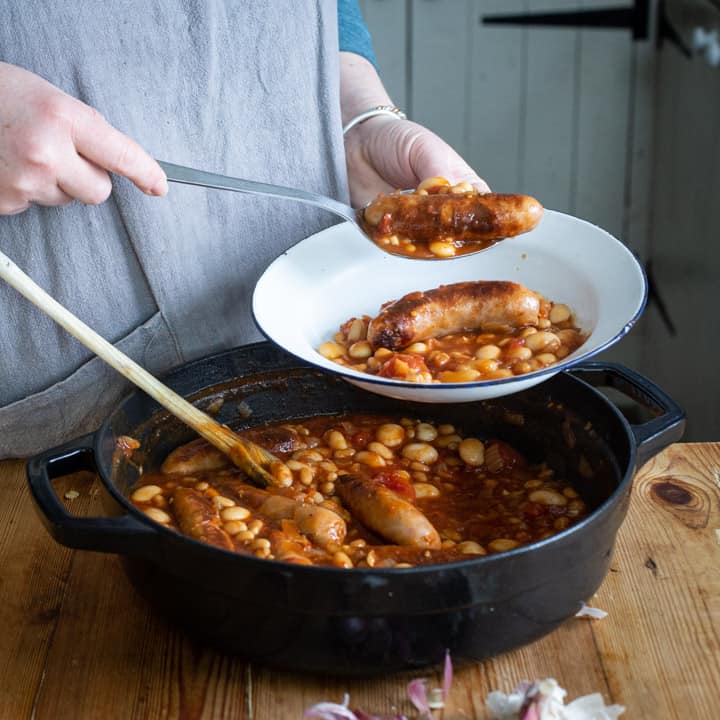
point(591, 612)
point(329, 711)
point(417, 692)
point(544, 700)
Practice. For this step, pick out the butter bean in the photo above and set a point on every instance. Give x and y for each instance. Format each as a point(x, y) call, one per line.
point(559, 313)
point(472, 452)
point(331, 350)
point(234, 513)
point(158, 515)
point(488, 352)
point(390, 434)
point(381, 449)
point(547, 497)
point(425, 490)
point(425, 432)
point(542, 341)
point(145, 493)
point(360, 350)
point(502, 545)
point(371, 459)
point(469, 547)
point(421, 452)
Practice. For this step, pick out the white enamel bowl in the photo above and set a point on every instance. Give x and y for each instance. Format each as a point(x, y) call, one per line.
point(308, 292)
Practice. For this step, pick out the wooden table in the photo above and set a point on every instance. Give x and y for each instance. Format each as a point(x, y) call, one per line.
point(77, 642)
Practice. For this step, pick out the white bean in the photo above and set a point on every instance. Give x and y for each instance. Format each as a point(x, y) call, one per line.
point(487, 352)
point(425, 490)
point(547, 497)
point(390, 434)
point(472, 452)
point(145, 493)
point(425, 432)
point(542, 341)
point(422, 452)
point(559, 313)
point(234, 513)
point(158, 515)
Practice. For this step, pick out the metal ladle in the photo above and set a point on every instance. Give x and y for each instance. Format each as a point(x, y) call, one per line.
point(190, 176)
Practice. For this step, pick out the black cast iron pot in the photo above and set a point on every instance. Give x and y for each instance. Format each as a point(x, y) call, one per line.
point(373, 620)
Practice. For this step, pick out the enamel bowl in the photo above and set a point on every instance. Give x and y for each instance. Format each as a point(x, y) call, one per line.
point(309, 291)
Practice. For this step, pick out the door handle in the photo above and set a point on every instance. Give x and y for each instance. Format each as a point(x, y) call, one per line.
point(635, 18)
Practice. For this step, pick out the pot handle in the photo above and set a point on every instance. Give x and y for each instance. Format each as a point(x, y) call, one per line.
point(652, 436)
point(123, 534)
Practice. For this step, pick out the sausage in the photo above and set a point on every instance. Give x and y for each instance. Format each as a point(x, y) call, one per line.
point(321, 525)
point(275, 439)
point(195, 457)
point(197, 517)
point(386, 513)
point(468, 216)
point(199, 456)
point(463, 306)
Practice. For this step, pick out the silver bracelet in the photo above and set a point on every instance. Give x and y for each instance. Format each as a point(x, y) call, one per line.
point(390, 110)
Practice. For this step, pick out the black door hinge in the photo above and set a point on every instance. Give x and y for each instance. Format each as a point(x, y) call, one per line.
point(635, 18)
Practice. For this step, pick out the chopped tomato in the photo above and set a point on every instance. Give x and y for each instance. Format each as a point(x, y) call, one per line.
point(398, 483)
point(515, 343)
point(385, 225)
point(402, 366)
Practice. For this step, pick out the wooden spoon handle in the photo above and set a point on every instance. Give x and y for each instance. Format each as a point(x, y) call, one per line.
point(248, 456)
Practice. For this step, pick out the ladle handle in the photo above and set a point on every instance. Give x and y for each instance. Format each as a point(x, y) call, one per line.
point(202, 178)
point(243, 454)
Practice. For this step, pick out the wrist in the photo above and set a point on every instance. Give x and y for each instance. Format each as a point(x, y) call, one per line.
point(360, 87)
point(386, 111)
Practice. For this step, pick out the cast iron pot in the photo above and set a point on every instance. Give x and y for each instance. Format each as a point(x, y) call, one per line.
point(374, 620)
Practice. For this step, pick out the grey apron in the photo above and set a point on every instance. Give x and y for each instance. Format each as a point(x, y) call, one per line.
point(247, 88)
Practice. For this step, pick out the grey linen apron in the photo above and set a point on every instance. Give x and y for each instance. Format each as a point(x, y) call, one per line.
point(247, 88)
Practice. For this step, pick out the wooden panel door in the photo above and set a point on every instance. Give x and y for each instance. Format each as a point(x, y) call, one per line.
point(559, 113)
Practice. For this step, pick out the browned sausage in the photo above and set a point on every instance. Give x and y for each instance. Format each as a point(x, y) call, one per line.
point(275, 439)
point(469, 216)
point(323, 526)
point(464, 306)
point(199, 456)
point(386, 513)
point(195, 457)
point(197, 517)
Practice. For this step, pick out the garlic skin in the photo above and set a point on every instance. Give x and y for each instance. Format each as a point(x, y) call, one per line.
point(544, 700)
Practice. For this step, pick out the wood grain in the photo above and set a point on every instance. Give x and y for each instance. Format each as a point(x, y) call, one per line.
point(78, 641)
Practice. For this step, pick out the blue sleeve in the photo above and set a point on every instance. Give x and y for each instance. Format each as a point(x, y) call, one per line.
point(354, 35)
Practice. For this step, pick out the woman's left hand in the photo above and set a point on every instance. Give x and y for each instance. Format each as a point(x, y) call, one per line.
point(385, 154)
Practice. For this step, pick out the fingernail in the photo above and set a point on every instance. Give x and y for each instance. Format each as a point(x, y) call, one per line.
point(159, 188)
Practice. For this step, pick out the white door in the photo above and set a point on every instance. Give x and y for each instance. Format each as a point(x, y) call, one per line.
point(559, 113)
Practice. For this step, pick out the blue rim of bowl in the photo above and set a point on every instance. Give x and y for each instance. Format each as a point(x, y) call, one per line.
point(550, 370)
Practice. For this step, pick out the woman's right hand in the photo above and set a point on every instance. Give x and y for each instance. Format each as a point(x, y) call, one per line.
point(55, 149)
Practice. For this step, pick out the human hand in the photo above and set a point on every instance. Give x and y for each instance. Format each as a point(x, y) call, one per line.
point(55, 149)
point(384, 155)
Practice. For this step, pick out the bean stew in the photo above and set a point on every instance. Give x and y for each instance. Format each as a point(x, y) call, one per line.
point(359, 491)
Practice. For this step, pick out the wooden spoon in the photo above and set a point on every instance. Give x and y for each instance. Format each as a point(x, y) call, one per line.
point(252, 459)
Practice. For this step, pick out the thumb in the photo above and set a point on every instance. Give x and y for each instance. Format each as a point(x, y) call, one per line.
point(432, 157)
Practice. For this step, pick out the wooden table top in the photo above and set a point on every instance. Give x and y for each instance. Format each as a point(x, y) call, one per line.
point(77, 642)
